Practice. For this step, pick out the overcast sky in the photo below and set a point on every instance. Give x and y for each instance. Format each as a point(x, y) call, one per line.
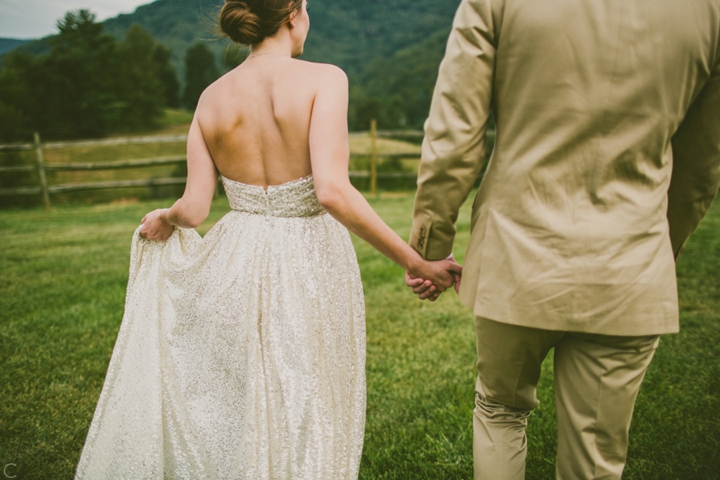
point(37, 18)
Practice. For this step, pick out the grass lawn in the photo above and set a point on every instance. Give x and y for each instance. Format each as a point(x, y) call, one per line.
point(62, 289)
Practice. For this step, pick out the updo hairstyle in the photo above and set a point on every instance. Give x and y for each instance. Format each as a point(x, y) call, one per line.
point(248, 22)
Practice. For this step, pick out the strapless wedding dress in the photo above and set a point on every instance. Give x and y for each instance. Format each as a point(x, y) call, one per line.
point(241, 355)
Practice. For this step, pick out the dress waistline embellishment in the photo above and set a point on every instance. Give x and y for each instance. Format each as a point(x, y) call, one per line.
point(291, 199)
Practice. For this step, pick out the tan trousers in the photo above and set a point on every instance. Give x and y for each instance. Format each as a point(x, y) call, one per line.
point(597, 379)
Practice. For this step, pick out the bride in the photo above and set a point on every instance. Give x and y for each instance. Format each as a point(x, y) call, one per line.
point(241, 355)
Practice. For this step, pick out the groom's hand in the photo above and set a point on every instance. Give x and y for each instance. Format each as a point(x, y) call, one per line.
point(456, 276)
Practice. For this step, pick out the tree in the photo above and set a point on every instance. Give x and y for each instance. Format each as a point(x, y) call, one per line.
point(88, 84)
point(397, 91)
point(200, 71)
point(17, 99)
point(167, 76)
point(140, 90)
point(67, 92)
point(82, 70)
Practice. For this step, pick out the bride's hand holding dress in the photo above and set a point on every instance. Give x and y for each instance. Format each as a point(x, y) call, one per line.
point(155, 227)
point(193, 207)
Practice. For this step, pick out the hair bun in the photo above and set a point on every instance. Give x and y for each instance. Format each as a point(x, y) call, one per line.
point(248, 22)
point(240, 23)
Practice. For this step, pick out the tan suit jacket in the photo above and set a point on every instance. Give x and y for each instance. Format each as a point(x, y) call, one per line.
point(607, 157)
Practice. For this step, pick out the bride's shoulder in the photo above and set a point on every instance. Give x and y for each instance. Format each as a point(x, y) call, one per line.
point(324, 74)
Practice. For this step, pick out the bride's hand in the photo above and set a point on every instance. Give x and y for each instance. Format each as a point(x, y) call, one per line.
point(424, 289)
point(429, 279)
point(155, 227)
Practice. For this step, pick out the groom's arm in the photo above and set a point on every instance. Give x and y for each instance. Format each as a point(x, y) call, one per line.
point(453, 151)
point(696, 164)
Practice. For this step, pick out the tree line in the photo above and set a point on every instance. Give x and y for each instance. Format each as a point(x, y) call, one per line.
point(89, 84)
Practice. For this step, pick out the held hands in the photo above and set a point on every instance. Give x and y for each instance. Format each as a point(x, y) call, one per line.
point(155, 226)
point(431, 279)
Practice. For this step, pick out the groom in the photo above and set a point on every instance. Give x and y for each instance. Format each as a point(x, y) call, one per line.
point(607, 157)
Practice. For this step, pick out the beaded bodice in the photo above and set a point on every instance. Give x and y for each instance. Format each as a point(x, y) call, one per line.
point(292, 199)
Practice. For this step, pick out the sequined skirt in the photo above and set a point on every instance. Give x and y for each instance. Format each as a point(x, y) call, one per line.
point(241, 355)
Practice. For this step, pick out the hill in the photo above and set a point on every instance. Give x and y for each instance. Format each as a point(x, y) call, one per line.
point(391, 49)
point(7, 44)
point(348, 33)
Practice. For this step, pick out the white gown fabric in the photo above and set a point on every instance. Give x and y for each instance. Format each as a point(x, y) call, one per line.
point(241, 355)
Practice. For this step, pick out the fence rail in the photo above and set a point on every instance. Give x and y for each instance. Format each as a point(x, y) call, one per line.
point(141, 162)
point(15, 147)
point(19, 168)
point(45, 189)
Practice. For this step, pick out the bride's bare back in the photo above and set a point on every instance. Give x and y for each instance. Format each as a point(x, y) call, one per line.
point(256, 120)
point(275, 119)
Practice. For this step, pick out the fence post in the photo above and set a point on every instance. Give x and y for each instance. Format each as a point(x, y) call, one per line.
point(41, 170)
point(373, 157)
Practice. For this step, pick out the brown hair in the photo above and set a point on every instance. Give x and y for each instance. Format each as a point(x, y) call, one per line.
point(248, 22)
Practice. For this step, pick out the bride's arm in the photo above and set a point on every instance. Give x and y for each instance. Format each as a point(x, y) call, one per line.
point(330, 154)
point(194, 206)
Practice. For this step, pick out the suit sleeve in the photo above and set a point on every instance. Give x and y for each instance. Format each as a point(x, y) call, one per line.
point(453, 151)
point(696, 164)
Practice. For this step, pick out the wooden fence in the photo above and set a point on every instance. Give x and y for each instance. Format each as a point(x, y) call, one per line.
point(46, 190)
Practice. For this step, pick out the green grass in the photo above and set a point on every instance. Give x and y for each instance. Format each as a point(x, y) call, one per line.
point(63, 282)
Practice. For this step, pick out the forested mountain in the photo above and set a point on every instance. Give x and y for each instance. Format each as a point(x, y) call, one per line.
point(348, 33)
point(7, 44)
point(391, 49)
